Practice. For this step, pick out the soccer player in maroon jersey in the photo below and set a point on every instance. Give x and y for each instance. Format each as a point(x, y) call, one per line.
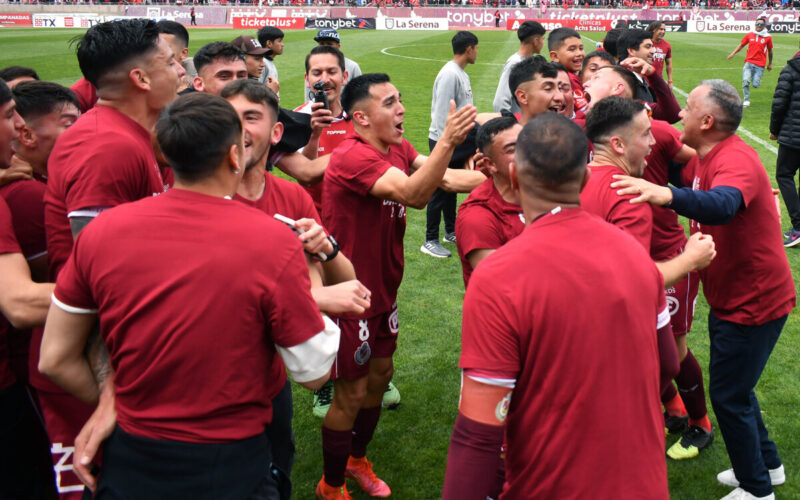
point(521, 325)
point(534, 85)
point(668, 240)
point(371, 178)
point(759, 47)
point(749, 285)
point(105, 159)
point(491, 215)
point(27, 472)
point(257, 107)
point(208, 444)
point(662, 56)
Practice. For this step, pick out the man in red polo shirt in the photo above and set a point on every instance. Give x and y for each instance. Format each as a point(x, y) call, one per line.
point(508, 358)
point(371, 178)
point(330, 125)
point(759, 48)
point(491, 215)
point(105, 159)
point(749, 285)
point(184, 275)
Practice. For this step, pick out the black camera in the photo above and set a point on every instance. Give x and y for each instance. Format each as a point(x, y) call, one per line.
point(320, 95)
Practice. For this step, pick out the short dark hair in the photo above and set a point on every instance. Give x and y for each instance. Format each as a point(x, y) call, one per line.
point(174, 28)
point(558, 36)
point(12, 72)
point(35, 99)
point(106, 46)
point(326, 49)
point(268, 34)
point(609, 115)
point(727, 100)
point(195, 133)
point(598, 54)
point(762, 18)
point(357, 89)
point(488, 130)
point(653, 26)
point(627, 75)
point(527, 69)
point(530, 29)
point(552, 150)
point(255, 92)
point(213, 51)
point(462, 41)
point(5, 93)
point(611, 39)
point(631, 39)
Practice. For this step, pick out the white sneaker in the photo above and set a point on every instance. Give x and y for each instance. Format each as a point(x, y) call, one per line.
point(728, 478)
point(740, 494)
point(746, 104)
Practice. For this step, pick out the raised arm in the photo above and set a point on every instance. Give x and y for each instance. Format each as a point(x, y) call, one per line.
point(416, 189)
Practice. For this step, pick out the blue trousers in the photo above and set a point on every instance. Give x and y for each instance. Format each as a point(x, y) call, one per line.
point(739, 354)
point(751, 74)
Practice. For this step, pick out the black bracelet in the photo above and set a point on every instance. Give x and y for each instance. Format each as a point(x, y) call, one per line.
point(333, 254)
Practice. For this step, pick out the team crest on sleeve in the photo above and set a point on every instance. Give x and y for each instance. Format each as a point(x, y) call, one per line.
point(501, 411)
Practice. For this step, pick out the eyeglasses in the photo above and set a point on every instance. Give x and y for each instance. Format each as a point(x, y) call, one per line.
point(759, 24)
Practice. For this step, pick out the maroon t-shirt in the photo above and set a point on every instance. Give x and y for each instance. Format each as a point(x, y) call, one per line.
point(103, 160)
point(8, 244)
point(552, 311)
point(485, 220)
point(283, 197)
point(289, 199)
point(369, 230)
point(190, 310)
point(749, 282)
point(663, 51)
point(331, 137)
point(599, 198)
point(25, 199)
point(668, 237)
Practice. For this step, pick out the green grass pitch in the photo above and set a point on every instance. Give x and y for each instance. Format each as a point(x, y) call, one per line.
point(410, 445)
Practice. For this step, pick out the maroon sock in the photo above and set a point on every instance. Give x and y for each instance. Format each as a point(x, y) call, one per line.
point(363, 429)
point(336, 447)
point(690, 385)
point(668, 393)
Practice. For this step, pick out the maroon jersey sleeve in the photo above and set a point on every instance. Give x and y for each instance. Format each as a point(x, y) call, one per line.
point(292, 312)
point(72, 287)
point(364, 170)
point(477, 228)
point(114, 177)
point(8, 243)
point(488, 339)
point(635, 219)
point(730, 172)
point(26, 201)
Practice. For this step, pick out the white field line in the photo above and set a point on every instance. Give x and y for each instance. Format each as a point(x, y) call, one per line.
point(769, 147)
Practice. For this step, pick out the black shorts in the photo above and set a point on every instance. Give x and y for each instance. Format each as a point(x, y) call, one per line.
point(137, 467)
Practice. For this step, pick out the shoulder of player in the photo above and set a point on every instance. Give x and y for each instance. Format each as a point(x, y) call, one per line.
point(304, 108)
point(732, 152)
point(23, 190)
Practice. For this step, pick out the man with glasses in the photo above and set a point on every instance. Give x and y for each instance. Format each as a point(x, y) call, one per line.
point(759, 46)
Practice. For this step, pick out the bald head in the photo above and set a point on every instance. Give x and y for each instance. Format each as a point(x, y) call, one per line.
point(551, 153)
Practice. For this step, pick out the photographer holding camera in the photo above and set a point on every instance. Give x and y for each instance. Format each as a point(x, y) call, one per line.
point(326, 75)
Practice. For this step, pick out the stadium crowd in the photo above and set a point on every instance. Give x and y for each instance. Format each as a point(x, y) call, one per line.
point(159, 284)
